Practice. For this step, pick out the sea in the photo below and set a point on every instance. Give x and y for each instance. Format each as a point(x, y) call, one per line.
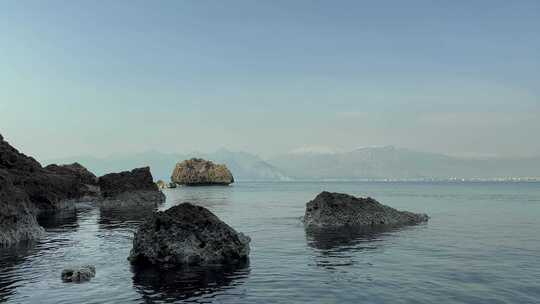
point(481, 245)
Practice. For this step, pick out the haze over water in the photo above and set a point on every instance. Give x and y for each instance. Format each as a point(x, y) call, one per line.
point(480, 246)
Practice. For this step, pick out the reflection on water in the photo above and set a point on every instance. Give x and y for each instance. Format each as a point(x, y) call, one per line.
point(339, 246)
point(472, 251)
point(65, 220)
point(11, 258)
point(165, 285)
point(123, 218)
point(347, 238)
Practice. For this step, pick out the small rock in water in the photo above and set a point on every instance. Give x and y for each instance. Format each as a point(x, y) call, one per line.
point(337, 209)
point(78, 274)
point(187, 235)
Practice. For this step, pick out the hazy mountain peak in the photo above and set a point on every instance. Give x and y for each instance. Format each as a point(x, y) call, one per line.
point(314, 150)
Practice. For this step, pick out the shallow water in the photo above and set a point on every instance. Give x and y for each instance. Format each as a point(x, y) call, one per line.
point(481, 245)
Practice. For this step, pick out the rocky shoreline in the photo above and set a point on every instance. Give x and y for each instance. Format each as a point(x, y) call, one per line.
point(27, 190)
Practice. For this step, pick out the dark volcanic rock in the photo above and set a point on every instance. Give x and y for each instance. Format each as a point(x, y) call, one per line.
point(187, 235)
point(200, 172)
point(46, 190)
point(86, 180)
point(28, 189)
point(336, 209)
point(130, 188)
point(78, 274)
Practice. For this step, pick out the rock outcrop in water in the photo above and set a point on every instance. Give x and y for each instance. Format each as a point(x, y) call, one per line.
point(135, 188)
point(200, 172)
point(338, 210)
point(187, 235)
point(78, 274)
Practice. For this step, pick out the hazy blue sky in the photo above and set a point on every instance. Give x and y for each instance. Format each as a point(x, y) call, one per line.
point(102, 77)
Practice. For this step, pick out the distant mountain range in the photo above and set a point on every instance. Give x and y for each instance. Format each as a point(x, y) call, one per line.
point(374, 163)
point(380, 163)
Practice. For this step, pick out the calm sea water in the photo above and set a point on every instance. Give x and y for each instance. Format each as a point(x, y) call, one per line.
point(482, 245)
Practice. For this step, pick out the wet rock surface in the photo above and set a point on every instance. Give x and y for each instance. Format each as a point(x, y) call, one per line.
point(200, 172)
point(78, 274)
point(337, 210)
point(187, 235)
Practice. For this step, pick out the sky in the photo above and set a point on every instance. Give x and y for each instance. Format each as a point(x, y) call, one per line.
point(268, 77)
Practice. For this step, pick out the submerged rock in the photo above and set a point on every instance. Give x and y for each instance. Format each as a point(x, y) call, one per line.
point(187, 235)
point(78, 274)
point(135, 188)
point(337, 209)
point(200, 172)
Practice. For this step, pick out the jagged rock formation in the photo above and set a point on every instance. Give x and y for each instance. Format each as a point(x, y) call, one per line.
point(337, 210)
point(200, 172)
point(187, 235)
point(47, 190)
point(78, 274)
point(135, 188)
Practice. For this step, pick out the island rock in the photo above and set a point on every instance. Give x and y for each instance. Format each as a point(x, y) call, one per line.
point(187, 235)
point(135, 188)
point(200, 172)
point(338, 210)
